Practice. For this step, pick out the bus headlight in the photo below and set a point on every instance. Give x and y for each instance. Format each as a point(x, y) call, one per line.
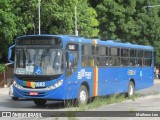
point(58, 84)
point(17, 85)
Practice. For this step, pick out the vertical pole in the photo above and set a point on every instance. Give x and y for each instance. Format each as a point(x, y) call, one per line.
point(76, 32)
point(39, 16)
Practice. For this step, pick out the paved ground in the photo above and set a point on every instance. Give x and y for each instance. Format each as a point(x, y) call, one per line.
point(151, 90)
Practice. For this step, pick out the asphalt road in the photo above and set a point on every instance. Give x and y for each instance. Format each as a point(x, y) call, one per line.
point(149, 102)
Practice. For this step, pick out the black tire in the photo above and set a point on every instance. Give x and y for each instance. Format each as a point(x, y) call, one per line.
point(131, 89)
point(15, 98)
point(82, 95)
point(40, 102)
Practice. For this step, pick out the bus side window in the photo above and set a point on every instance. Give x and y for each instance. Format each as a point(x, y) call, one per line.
point(71, 58)
point(139, 57)
point(90, 61)
point(115, 56)
point(88, 53)
point(102, 58)
point(133, 59)
point(71, 61)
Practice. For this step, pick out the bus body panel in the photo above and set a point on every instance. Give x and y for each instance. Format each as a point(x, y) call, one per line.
point(100, 80)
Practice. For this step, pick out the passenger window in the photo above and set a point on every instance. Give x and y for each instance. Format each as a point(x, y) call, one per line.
point(125, 61)
point(88, 53)
point(72, 58)
point(147, 58)
point(139, 58)
point(102, 58)
point(115, 56)
point(133, 59)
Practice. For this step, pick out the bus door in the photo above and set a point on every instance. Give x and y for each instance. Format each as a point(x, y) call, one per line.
point(72, 59)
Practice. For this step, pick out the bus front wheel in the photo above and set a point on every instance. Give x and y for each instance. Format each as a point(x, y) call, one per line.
point(83, 95)
point(40, 101)
point(131, 89)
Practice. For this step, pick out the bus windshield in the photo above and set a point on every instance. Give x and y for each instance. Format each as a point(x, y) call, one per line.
point(38, 61)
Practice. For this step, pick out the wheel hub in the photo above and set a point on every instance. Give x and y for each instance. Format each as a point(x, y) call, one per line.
point(83, 96)
point(130, 90)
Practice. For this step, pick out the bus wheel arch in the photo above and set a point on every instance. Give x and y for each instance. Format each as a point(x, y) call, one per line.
point(83, 94)
point(132, 80)
point(131, 88)
point(87, 86)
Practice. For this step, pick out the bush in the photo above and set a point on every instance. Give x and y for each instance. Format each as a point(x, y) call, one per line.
point(2, 68)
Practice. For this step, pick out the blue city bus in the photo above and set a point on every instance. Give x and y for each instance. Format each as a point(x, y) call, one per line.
point(63, 67)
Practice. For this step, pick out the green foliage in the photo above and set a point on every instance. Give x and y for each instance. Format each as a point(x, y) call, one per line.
point(87, 21)
point(7, 26)
point(2, 68)
point(57, 17)
point(125, 20)
point(101, 101)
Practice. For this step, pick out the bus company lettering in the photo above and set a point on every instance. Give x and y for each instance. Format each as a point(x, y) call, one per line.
point(85, 74)
point(131, 72)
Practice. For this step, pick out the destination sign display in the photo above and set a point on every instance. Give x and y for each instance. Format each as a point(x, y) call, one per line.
point(39, 41)
point(72, 47)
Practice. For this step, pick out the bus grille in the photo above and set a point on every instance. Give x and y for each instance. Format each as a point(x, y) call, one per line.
point(33, 88)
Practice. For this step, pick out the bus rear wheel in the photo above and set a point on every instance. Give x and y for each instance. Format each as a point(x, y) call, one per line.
point(82, 95)
point(131, 89)
point(40, 102)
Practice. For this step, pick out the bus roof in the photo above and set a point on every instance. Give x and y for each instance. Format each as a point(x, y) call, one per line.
point(72, 38)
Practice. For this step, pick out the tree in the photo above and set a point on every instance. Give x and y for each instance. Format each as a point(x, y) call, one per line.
point(57, 17)
point(116, 21)
point(87, 22)
point(7, 28)
point(60, 17)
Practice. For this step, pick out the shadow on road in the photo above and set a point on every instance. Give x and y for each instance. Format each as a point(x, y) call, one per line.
point(29, 104)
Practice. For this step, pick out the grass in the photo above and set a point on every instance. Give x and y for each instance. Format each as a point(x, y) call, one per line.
point(98, 102)
point(101, 101)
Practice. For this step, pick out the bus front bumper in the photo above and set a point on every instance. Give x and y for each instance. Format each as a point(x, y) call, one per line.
point(44, 93)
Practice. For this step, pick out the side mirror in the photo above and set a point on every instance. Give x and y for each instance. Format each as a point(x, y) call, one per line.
point(10, 54)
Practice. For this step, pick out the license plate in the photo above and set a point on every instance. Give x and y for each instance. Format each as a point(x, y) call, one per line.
point(33, 93)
